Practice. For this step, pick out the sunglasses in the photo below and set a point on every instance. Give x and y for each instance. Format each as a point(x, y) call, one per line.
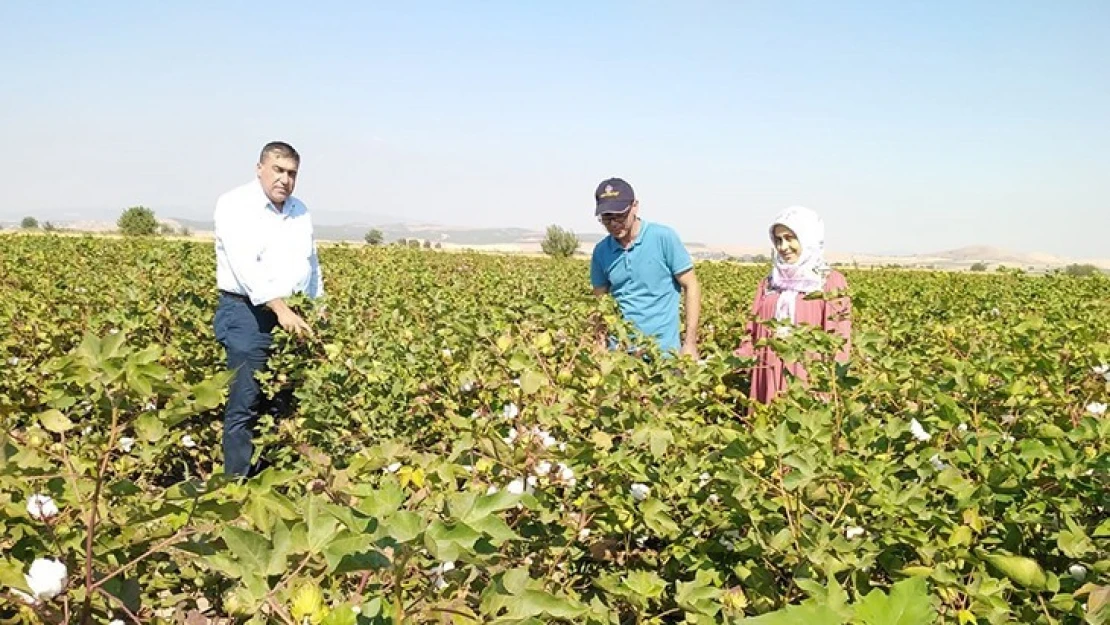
point(608, 218)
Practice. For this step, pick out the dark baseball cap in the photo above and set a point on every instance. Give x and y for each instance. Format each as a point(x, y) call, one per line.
point(613, 196)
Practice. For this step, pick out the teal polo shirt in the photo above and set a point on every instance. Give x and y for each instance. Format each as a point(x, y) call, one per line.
point(642, 279)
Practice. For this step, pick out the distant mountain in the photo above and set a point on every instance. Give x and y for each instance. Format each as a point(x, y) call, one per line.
point(523, 240)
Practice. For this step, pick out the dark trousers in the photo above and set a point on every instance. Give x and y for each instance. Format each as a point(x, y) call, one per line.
point(244, 331)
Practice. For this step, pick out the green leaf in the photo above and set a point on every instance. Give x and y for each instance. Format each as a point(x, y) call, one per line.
point(656, 518)
point(404, 526)
point(532, 381)
point(907, 604)
point(532, 603)
point(11, 575)
point(1023, 571)
point(1074, 543)
point(55, 421)
point(494, 527)
point(449, 542)
point(808, 614)
point(251, 549)
point(149, 427)
point(353, 552)
point(209, 394)
point(698, 596)
point(322, 525)
point(645, 584)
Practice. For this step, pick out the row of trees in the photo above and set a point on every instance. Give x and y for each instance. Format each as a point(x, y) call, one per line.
point(134, 221)
point(558, 242)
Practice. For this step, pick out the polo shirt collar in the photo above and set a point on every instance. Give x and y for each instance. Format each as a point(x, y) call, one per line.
point(616, 246)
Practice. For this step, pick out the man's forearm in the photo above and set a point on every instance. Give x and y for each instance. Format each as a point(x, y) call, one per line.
point(279, 306)
point(693, 313)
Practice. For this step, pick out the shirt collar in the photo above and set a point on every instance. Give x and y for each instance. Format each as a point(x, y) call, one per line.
point(616, 247)
point(292, 206)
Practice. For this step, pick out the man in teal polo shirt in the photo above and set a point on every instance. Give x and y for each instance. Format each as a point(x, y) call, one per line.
point(644, 266)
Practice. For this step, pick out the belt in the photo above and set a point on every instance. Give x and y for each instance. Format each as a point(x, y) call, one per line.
point(241, 298)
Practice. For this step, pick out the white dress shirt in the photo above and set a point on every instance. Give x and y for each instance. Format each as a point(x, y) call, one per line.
point(263, 253)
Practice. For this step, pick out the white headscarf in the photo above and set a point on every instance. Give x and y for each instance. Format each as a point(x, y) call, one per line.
point(808, 274)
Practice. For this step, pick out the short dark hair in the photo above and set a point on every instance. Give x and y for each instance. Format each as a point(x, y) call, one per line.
point(280, 149)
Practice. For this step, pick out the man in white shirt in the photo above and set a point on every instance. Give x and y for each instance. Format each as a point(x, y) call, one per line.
point(265, 252)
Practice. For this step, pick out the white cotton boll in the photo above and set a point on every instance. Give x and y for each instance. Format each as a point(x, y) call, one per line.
point(962, 427)
point(13, 361)
point(562, 446)
point(188, 442)
point(88, 430)
point(1009, 438)
point(511, 438)
point(446, 352)
point(1078, 572)
point(566, 475)
point(46, 579)
point(113, 331)
point(115, 622)
point(467, 387)
point(583, 534)
point(510, 411)
point(150, 406)
point(443, 567)
point(639, 491)
point(516, 487)
point(714, 499)
point(42, 507)
point(703, 479)
point(393, 467)
point(492, 490)
point(1102, 369)
point(853, 532)
point(1096, 408)
point(542, 468)
point(126, 443)
point(918, 431)
point(783, 332)
point(937, 463)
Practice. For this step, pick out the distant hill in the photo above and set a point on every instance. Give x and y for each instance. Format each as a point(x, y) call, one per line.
point(523, 240)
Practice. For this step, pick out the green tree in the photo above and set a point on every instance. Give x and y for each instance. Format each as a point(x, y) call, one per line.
point(427, 245)
point(1076, 269)
point(374, 237)
point(979, 267)
point(414, 243)
point(402, 242)
point(49, 227)
point(167, 229)
point(29, 223)
point(138, 221)
point(559, 243)
point(186, 231)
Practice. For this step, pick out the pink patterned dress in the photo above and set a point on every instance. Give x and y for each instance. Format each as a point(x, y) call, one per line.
point(769, 374)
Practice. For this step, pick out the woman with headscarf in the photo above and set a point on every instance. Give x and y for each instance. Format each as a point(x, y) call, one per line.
point(799, 269)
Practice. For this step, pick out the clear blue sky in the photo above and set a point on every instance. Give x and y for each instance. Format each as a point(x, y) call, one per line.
point(911, 126)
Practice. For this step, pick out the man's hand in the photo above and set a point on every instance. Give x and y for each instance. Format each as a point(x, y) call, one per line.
point(690, 349)
point(289, 321)
point(292, 323)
